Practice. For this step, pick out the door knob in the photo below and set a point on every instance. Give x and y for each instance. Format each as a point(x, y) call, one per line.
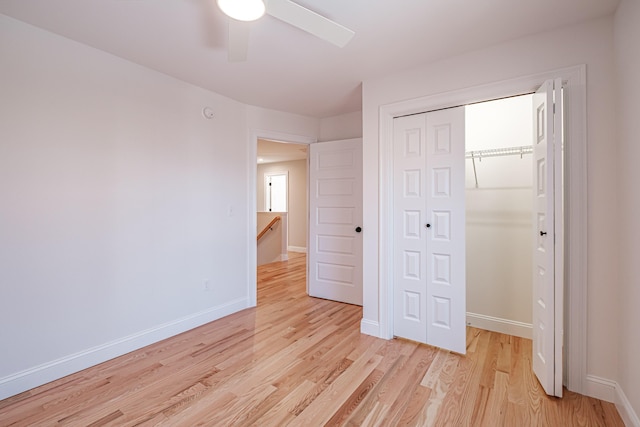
point(543, 233)
point(428, 225)
point(358, 229)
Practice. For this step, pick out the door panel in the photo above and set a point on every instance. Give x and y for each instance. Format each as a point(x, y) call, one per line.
point(335, 210)
point(445, 250)
point(409, 213)
point(547, 310)
point(429, 229)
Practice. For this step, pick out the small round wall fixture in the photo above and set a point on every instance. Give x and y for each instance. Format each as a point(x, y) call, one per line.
point(207, 113)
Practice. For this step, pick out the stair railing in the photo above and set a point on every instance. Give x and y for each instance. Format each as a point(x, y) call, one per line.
point(268, 227)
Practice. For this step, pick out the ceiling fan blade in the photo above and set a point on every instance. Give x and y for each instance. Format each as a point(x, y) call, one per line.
point(309, 21)
point(238, 40)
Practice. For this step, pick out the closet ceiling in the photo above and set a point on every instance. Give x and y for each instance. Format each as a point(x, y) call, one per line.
point(288, 69)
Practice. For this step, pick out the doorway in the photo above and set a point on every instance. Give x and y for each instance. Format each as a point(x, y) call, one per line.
point(499, 215)
point(281, 192)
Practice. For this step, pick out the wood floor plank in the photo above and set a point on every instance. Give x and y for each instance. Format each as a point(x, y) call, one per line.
point(324, 406)
point(418, 364)
point(296, 360)
point(438, 382)
point(282, 412)
point(459, 405)
point(371, 403)
point(496, 408)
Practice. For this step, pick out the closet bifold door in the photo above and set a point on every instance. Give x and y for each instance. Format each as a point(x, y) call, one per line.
point(548, 284)
point(409, 228)
point(429, 229)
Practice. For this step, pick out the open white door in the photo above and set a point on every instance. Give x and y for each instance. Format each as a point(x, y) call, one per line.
point(335, 221)
point(429, 229)
point(548, 239)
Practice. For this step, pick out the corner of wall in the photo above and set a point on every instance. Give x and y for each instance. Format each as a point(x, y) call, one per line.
point(611, 391)
point(625, 409)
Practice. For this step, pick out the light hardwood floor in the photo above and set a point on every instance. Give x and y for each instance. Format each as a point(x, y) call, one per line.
point(300, 361)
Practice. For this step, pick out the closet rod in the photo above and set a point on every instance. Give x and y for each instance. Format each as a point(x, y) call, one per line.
point(495, 152)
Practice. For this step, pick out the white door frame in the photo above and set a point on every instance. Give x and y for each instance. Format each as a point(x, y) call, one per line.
point(574, 80)
point(252, 195)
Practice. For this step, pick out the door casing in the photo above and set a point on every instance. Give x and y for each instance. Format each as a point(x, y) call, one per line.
point(574, 81)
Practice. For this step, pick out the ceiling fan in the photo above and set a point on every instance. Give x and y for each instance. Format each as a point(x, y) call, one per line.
point(242, 12)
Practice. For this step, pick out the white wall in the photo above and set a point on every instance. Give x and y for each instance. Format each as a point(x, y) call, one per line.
point(272, 246)
point(297, 197)
point(627, 35)
point(121, 223)
point(113, 214)
point(344, 126)
point(590, 43)
point(499, 217)
point(282, 126)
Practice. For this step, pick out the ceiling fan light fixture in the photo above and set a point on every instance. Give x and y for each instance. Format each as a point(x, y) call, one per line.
point(242, 10)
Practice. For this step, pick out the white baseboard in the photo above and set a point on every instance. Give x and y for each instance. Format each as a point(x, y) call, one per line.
point(611, 391)
point(55, 369)
point(369, 327)
point(625, 409)
point(496, 324)
point(600, 388)
point(299, 249)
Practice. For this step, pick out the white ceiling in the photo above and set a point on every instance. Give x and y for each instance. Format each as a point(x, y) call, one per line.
point(287, 69)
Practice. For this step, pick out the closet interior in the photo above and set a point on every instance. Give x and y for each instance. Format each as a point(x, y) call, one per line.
point(499, 217)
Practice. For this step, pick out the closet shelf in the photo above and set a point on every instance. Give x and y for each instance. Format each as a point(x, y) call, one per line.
point(496, 152)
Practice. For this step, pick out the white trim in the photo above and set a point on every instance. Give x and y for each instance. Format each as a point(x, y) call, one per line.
point(50, 371)
point(600, 388)
point(576, 242)
point(574, 79)
point(611, 391)
point(369, 327)
point(385, 234)
point(496, 324)
point(625, 409)
point(298, 249)
point(252, 223)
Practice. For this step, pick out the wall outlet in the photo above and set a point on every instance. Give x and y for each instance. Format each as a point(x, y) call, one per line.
point(206, 285)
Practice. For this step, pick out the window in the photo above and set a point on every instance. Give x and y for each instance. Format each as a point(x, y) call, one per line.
point(275, 191)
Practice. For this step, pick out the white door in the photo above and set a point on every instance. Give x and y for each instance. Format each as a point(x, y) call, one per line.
point(335, 221)
point(547, 251)
point(276, 190)
point(429, 230)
